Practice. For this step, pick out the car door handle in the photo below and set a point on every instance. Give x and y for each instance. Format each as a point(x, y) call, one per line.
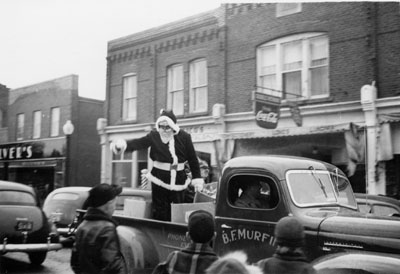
point(225, 226)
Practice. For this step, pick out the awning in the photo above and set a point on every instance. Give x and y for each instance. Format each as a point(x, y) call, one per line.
point(389, 118)
point(283, 132)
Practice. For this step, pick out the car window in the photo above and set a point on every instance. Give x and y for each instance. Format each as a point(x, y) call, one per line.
point(364, 208)
point(316, 187)
point(65, 196)
point(251, 191)
point(10, 197)
point(383, 210)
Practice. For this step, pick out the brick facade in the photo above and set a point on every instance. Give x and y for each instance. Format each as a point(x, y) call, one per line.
point(364, 38)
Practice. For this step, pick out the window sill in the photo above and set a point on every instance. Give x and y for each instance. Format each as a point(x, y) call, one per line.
point(309, 101)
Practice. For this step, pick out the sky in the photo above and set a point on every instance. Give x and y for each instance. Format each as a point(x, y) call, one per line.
point(43, 40)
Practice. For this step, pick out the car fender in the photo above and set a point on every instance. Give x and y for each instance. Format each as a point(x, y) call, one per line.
point(137, 248)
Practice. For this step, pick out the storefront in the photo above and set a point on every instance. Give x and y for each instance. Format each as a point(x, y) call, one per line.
point(38, 164)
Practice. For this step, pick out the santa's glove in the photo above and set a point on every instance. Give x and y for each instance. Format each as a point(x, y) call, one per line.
point(118, 146)
point(198, 184)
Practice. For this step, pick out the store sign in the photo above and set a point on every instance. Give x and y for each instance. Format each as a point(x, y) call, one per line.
point(267, 110)
point(16, 152)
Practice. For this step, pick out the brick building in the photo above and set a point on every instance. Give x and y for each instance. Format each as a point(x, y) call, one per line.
point(34, 148)
point(325, 74)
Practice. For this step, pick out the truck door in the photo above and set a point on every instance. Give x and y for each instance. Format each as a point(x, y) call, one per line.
point(248, 208)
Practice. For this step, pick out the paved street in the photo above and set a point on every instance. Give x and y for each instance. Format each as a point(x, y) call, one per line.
point(18, 263)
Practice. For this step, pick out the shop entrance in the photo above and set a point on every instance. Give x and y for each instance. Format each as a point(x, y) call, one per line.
point(41, 179)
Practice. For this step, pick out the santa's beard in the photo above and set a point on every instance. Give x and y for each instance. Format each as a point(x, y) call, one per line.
point(166, 136)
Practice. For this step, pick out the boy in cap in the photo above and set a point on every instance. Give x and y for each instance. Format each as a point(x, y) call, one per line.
point(289, 256)
point(97, 249)
point(198, 256)
point(170, 148)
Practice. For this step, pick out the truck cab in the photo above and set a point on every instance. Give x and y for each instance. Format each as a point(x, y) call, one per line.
point(317, 193)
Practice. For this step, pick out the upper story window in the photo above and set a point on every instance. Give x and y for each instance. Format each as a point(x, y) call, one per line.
point(55, 121)
point(283, 9)
point(20, 126)
point(37, 123)
point(198, 92)
point(175, 89)
point(129, 111)
point(295, 67)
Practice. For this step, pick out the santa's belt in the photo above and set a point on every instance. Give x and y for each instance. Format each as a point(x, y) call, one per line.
point(168, 166)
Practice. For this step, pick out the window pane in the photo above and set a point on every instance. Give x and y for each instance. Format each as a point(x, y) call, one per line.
point(131, 109)
point(287, 8)
point(292, 55)
point(122, 172)
point(200, 94)
point(319, 81)
point(37, 123)
point(20, 126)
point(268, 81)
point(175, 89)
point(198, 86)
point(292, 84)
point(55, 121)
point(319, 49)
point(130, 97)
point(177, 102)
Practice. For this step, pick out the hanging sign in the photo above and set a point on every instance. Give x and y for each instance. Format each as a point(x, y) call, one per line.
point(295, 113)
point(267, 110)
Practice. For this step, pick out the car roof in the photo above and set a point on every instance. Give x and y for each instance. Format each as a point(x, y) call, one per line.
point(7, 185)
point(72, 189)
point(279, 164)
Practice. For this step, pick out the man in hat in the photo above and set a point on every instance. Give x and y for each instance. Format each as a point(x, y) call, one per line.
point(97, 248)
point(170, 148)
point(250, 197)
point(198, 256)
point(289, 257)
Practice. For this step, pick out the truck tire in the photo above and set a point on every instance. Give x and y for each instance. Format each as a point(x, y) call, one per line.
point(137, 248)
point(37, 258)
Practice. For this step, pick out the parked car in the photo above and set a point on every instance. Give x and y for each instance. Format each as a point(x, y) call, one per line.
point(358, 262)
point(61, 205)
point(24, 226)
point(378, 205)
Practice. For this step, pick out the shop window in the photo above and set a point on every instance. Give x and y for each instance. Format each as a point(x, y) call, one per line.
point(20, 126)
point(175, 89)
point(294, 67)
point(129, 111)
point(37, 123)
point(122, 169)
point(55, 122)
point(198, 94)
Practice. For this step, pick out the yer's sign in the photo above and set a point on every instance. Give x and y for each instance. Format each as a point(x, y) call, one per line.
point(267, 110)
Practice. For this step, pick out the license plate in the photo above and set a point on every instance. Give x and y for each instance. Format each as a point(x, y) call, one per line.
point(24, 226)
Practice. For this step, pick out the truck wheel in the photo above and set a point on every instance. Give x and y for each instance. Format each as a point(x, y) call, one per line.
point(37, 258)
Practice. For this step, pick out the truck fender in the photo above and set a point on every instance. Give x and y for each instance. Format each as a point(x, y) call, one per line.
point(137, 248)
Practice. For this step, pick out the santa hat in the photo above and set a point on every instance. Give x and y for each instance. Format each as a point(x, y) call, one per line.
point(169, 117)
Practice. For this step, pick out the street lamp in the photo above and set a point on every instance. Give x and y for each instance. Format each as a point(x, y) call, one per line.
point(68, 129)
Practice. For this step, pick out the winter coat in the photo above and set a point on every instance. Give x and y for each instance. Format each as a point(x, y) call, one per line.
point(183, 149)
point(97, 249)
point(194, 259)
point(286, 262)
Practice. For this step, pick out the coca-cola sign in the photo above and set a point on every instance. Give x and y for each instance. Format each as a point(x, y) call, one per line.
point(267, 110)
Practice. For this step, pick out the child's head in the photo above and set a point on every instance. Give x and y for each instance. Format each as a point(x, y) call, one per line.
point(201, 226)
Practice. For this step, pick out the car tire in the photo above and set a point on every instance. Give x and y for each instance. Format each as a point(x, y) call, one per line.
point(37, 258)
